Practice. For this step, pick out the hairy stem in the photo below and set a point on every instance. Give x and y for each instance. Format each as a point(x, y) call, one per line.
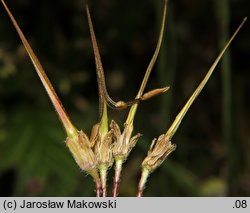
point(144, 176)
point(103, 175)
point(118, 169)
point(98, 189)
point(97, 181)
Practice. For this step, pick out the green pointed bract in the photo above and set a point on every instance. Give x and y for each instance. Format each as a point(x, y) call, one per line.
point(124, 143)
point(69, 127)
point(99, 152)
point(99, 68)
point(77, 142)
point(161, 148)
point(104, 97)
point(104, 137)
point(173, 128)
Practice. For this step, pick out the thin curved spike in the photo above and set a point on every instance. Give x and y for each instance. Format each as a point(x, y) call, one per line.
point(173, 128)
point(125, 143)
point(155, 55)
point(150, 66)
point(103, 93)
point(69, 127)
point(99, 68)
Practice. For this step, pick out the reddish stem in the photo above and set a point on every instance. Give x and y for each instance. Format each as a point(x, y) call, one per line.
point(139, 194)
point(103, 168)
point(118, 169)
point(144, 176)
point(98, 189)
point(104, 192)
point(116, 181)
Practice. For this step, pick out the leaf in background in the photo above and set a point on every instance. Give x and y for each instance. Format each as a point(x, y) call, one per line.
point(40, 162)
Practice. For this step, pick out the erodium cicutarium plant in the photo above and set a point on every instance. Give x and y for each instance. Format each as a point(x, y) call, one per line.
point(110, 145)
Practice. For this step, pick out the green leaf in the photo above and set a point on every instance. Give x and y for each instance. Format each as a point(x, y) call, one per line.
point(35, 148)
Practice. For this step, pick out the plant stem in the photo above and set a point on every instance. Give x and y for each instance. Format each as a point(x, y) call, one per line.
point(133, 109)
point(98, 188)
point(118, 169)
point(144, 176)
point(103, 175)
point(97, 181)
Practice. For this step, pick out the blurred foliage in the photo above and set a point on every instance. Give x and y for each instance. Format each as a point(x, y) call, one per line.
point(34, 161)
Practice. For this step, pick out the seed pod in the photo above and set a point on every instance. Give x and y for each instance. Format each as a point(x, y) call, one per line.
point(158, 152)
point(82, 152)
point(153, 93)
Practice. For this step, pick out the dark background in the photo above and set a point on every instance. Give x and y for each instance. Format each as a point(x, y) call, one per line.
point(213, 143)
